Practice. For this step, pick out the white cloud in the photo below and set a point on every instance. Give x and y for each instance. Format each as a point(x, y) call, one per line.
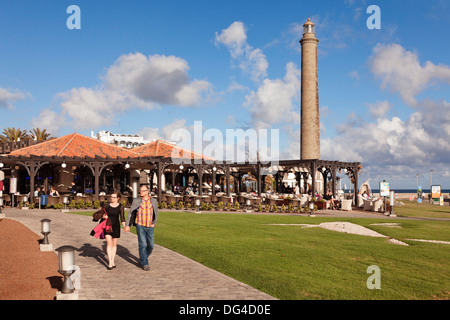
point(134, 80)
point(388, 146)
point(49, 120)
point(8, 97)
point(400, 70)
point(156, 79)
point(251, 61)
point(379, 109)
point(275, 100)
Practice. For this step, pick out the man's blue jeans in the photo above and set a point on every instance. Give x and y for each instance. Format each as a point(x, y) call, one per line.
point(146, 241)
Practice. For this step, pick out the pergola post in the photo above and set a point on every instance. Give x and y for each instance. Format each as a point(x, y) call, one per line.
point(32, 169)
point(97, 168)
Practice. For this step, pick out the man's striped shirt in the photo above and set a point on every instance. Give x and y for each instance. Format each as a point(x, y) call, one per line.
point(144, 215)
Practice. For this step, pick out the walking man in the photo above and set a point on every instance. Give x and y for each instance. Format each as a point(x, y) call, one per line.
point(146, 213)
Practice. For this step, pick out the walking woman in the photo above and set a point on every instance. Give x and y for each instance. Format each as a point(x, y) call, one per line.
point(114, 209)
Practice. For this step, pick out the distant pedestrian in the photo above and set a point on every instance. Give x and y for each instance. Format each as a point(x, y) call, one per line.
point(145, 211)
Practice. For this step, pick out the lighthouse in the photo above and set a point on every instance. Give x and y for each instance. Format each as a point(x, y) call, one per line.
point(309, 105)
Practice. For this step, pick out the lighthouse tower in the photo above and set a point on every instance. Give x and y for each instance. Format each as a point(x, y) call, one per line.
point(310, 126)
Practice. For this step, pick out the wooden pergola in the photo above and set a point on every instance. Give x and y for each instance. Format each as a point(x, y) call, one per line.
point(78, 150)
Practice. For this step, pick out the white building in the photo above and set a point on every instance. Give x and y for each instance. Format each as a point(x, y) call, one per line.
point(122, 140)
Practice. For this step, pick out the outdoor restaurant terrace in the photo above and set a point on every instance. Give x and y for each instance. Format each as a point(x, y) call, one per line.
point(81, 167)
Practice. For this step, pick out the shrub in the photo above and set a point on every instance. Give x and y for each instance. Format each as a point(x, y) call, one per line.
point(274, 208)
point(96, 204)
point(236, 205)
point(59, 205)
point(220, 205)
point(80, 204)
point(180, 205)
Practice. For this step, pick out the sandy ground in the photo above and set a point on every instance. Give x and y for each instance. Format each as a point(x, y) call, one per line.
point(26, 273)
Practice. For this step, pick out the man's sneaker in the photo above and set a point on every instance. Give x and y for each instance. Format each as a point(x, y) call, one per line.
point(146, 268)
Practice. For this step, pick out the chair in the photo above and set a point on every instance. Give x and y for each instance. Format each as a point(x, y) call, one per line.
point(346, 205)
point(7, 199)
point(206, 199)
point(187, 199)
point(360, 201)
point(377, 205)
point(368, 205)
point(225, 200)
point(171, 198)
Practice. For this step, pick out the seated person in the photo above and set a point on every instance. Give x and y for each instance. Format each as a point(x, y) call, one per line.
point(329, 197)
point(53, 192)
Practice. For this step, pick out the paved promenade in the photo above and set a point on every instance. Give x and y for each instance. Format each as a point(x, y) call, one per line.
point(171, 277)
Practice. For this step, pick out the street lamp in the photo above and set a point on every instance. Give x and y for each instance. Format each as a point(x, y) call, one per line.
point(392, 202)
point(45, 230)
point(65, 202)
point(248, 202)
point(66, 266)
point(197, 204)
point(311, 209)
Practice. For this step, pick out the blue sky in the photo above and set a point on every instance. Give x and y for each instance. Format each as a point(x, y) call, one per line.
point(151, 67)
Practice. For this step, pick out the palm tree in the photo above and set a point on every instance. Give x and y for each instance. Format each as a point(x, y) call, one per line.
point(13, 135)
point(39, 135)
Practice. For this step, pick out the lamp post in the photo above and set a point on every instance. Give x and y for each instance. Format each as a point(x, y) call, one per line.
point(66, 266)
point(248, 203)
point(65, 202)
point(197, 204)
point(392, 202)
point(45, 230)
point(311, 209)
point(24, 202)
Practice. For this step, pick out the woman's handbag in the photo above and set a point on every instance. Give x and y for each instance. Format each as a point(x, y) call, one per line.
point(97, 215)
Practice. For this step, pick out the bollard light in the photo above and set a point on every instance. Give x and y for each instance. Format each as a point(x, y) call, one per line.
point(66, 266)
point(311, 208)
point(65, 201)
point(248, 202)
point(1, 206)
point(391, 202)
point(45, 229)
point(25, 200)
point(197, 204)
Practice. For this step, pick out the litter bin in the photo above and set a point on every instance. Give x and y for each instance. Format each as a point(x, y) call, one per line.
point(43, 200)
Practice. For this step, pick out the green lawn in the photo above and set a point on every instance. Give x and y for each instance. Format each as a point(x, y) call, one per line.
point(424, 210)
point(290, 262)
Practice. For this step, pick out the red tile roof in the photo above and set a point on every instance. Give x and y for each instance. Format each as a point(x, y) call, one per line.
point(75, 145)
point(168, 150)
